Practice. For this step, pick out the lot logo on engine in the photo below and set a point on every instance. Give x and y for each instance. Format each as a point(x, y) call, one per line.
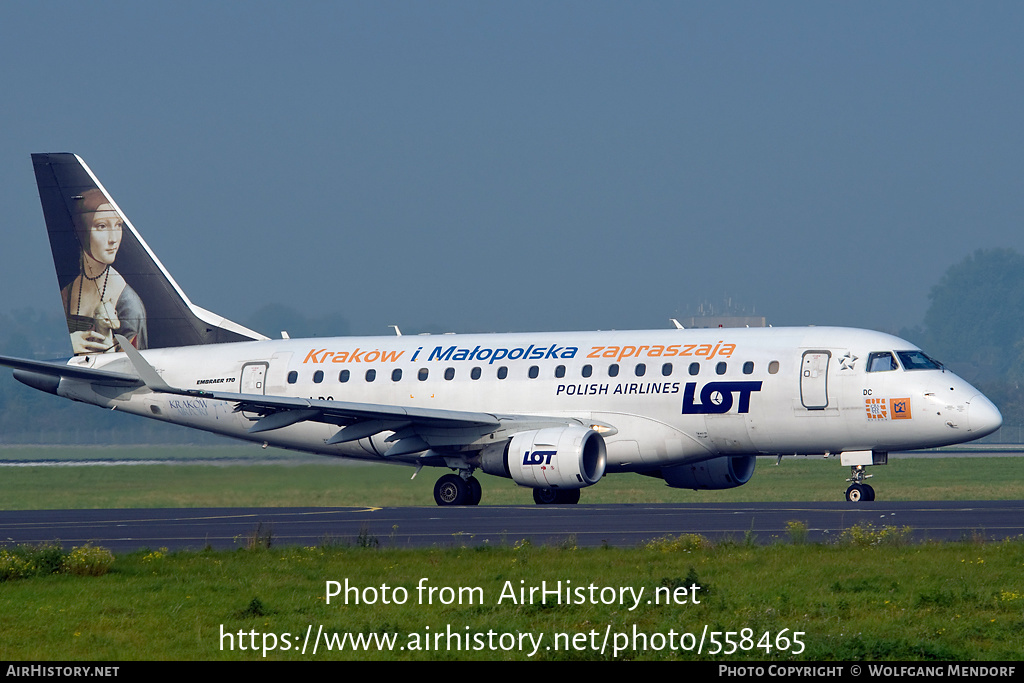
point(538, 457)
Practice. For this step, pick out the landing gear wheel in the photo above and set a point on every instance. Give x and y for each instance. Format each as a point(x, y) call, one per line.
point(858, 493)
point(451, 489)
point(570, 497)
point(475, 491)
point(545, 496)
point(556, 496)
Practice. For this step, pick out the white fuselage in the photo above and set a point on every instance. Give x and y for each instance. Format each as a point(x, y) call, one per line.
point(772, 390)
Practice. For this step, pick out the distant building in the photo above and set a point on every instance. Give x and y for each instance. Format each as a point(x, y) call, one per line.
point(724, 321)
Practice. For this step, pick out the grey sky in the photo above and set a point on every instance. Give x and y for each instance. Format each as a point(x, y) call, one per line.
point(527, 165)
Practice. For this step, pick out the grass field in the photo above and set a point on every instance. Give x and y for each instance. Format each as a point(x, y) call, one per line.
point(240, 476)
point(870, 596)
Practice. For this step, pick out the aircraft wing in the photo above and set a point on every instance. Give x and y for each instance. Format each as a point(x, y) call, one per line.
point(416, 429)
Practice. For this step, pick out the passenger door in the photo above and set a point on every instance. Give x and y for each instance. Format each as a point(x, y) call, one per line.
point(253, 381)
point(814, 379)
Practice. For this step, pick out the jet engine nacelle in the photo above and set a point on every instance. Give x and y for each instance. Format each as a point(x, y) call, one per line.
point(718, 473)
point(552, 458)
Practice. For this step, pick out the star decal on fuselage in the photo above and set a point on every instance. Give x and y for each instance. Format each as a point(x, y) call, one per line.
point(847, 362)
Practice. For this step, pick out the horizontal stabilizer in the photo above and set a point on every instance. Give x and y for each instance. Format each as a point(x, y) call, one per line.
point(56, 369)
point(147, 372)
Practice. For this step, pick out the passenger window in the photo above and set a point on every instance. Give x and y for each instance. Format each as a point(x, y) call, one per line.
point(371, 375)
point(474, 373)
point(641, 369)
point(449, 373)
point(343, 376)
point(588, 370)
point(318, 376)
point(560, 371)
point(293, 377)
point(881, 361)
point(721, 368)
point(396, 375)
point(502, 372)
point(748, 368)
point(534, 371)
point(666, 370)
point(613, 370)
point(773, 367)
point(423, 374)
point(694, 368)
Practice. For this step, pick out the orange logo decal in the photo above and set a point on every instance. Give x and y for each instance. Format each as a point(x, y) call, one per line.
point(876, 408)
point(900, 408)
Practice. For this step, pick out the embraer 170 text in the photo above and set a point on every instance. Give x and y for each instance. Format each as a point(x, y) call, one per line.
point(554, 412)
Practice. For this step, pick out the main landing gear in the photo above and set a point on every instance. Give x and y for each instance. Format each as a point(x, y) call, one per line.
point(464, 489)
point(456, 489)
point(556, 496)
point(858, 490)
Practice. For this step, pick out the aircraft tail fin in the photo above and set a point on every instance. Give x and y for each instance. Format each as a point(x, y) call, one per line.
point(111, 283)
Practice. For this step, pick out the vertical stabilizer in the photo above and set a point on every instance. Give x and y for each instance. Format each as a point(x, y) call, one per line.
point(110, 282)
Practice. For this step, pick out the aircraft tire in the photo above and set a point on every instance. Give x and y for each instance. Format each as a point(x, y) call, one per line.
point(859, 493)
point(556, 496)
point(475, 492)
point(451, 489)
point(545, 496)
point(570, 497)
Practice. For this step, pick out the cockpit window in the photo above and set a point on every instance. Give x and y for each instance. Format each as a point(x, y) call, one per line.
point(881, 361)
point(916, 360)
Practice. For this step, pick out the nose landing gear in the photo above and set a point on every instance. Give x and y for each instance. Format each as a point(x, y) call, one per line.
point(858, 490)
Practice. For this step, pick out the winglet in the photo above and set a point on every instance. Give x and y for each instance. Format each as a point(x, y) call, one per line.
point(147, 373)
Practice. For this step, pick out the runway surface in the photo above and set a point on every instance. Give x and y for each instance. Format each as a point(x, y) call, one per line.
point(584, 525)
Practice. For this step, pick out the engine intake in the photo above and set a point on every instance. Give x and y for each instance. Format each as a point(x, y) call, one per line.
point(718, 473)
point(552, 458)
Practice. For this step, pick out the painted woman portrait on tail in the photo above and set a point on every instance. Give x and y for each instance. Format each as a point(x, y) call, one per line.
point(99, 303)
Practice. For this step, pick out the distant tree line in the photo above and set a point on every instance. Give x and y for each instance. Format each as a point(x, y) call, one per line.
point(975, 326)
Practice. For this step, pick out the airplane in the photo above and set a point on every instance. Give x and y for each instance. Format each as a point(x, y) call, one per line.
point(554, 411)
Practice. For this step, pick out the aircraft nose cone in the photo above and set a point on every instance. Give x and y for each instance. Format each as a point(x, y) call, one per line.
point(983, 416)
